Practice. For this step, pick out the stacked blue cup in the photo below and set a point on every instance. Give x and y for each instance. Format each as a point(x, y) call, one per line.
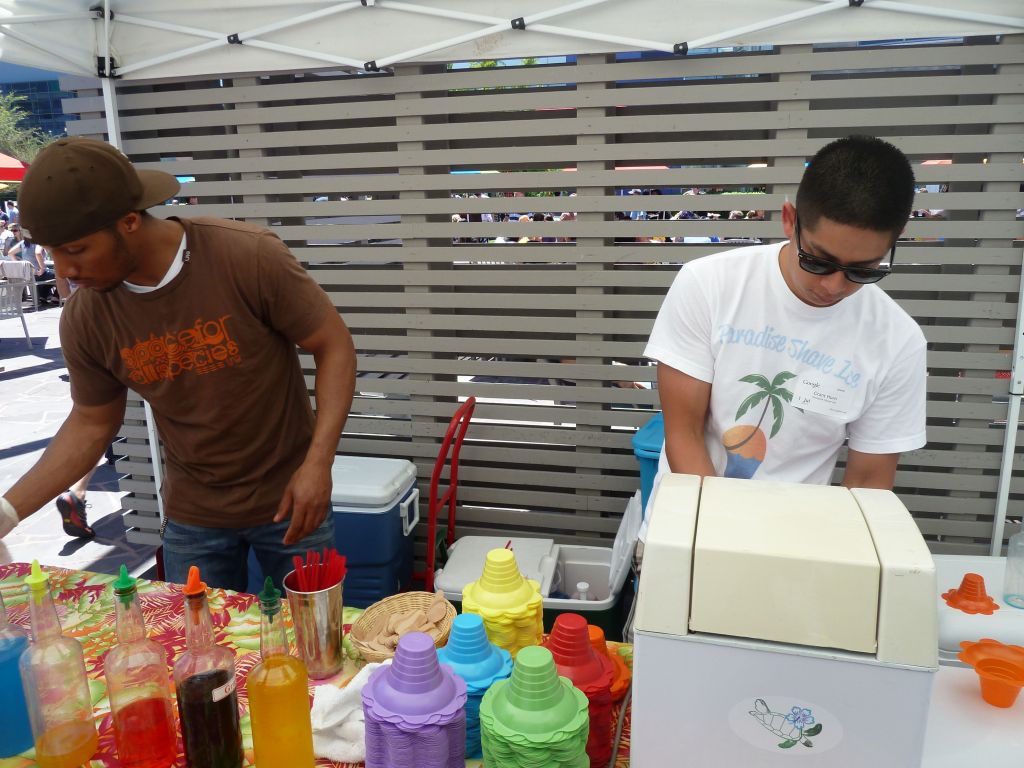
point(480, 663)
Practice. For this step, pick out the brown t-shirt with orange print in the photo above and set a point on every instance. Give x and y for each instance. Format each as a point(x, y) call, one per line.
point(213, 352)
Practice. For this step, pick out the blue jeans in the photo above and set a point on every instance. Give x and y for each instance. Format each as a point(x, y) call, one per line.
point(222, 553)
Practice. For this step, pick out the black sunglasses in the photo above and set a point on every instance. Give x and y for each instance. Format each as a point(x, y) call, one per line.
point(860, 275)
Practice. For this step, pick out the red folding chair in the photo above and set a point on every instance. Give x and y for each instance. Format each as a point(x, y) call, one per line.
point(452, 443)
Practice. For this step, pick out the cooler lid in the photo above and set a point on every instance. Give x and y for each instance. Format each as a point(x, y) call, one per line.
point(536, 559)
point(369, 481)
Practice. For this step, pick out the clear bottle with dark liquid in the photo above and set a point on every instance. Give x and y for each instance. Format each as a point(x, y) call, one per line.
point(204, 678)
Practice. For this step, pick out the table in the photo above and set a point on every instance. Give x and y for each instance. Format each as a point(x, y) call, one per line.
point(85, 605)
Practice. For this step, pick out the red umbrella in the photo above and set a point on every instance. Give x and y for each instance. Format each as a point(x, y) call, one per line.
point(11, 169)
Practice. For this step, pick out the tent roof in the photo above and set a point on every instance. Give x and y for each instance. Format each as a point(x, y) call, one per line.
point(180, 38)
point(11, 168)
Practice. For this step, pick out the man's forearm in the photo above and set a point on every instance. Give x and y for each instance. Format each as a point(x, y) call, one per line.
point(335, 385)
point(687, 454)
point(74, 450)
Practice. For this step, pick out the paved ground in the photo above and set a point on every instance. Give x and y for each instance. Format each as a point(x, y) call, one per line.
point(34, 399)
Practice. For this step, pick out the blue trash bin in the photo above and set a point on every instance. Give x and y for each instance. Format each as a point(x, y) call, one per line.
point(647, 444)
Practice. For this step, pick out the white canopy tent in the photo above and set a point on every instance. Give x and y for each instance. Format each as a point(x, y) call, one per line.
point(180, 38)
point(173, 39)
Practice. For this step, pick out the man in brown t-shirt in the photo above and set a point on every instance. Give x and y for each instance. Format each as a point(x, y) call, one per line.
point(201, 318)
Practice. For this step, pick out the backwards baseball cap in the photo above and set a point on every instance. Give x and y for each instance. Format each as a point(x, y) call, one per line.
point(77, 186)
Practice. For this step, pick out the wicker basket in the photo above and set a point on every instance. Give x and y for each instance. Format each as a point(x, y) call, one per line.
point(376, 616)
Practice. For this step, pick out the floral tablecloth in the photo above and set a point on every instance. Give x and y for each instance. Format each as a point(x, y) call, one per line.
point(85, 605)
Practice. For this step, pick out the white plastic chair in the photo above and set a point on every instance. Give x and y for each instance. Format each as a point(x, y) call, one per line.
point(10, 304)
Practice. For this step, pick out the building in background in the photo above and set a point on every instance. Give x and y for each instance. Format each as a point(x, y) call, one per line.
point(43, 94)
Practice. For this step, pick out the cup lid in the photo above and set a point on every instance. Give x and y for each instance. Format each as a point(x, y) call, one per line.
point(414, 689)
point(575, 657)
point(501, 586)
point(535, 702)
point(472, 655)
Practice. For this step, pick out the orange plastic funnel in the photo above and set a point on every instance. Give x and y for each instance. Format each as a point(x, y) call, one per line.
point(1000, 669)
point(970, 596)
point(195, 585)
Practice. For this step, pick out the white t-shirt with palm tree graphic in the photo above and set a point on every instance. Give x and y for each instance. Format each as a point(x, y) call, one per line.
point(791, 382)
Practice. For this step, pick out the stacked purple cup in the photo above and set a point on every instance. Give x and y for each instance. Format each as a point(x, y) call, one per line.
point(415, 710)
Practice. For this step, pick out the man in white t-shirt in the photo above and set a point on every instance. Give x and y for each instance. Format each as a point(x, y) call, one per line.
point(771, 357)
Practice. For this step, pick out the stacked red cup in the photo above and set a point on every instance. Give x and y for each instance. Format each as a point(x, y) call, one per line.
point(592, 673)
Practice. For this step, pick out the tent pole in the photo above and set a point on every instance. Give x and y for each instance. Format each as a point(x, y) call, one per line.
point(423, 50)
point(828, 5)
point(1010, 438)
point(217, 39)
point(114, 139)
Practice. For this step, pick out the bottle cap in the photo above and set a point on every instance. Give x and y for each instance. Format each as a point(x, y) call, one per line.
point(124, 586)
point(195, 585)
point(270, 598)
point(37, 581)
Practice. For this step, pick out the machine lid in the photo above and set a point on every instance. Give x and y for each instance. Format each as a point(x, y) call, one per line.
point(784, 562)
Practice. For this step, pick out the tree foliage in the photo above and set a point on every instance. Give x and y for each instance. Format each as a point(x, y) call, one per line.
point(527, 61)
point(17, 139)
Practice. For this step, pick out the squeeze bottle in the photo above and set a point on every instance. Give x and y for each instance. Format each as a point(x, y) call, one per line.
point(138, 684)
point(278, 689)
point(204, 679)
point(55, 683)
point(15, 729)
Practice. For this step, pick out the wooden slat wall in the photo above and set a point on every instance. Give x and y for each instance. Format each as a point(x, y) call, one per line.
point(542, 333)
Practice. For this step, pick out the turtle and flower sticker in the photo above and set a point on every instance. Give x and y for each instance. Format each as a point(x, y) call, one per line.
point(796, 726)
point(785, 724)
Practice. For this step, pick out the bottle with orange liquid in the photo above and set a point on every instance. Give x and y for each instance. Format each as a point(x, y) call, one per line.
point(278, 688)
point(204, 680)
point(138, 684)
point(55, 683)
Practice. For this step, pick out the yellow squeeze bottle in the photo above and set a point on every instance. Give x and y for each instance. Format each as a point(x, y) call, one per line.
point(278, 688)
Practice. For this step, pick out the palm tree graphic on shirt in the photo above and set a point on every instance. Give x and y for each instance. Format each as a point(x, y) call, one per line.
point(746, 445)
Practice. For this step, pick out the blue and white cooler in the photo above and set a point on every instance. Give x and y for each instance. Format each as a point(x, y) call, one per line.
point(375, 503)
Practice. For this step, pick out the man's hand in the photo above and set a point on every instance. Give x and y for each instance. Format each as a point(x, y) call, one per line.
point(306, 500)
point(309, 491)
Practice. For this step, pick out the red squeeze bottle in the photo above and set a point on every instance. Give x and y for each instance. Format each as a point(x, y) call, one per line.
point(139, 686)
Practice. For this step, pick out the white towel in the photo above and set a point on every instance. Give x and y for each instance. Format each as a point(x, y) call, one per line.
point(337, 717)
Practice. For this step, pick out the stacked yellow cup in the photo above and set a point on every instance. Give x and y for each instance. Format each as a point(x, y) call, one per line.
point(510, 605)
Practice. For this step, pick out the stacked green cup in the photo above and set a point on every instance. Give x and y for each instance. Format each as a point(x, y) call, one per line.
point(510, 605)
point(535, 719)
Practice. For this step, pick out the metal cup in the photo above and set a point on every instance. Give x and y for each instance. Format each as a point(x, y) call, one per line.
point(317, 618)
